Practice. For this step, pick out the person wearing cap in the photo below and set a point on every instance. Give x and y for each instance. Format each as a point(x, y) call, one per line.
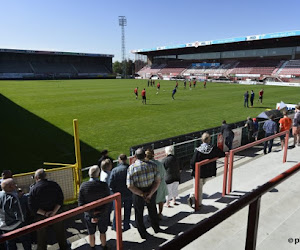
point(143, 180)
point(117, 183)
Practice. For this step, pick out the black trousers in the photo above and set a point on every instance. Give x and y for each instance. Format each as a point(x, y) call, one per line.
point(42, 234)
point(138, 204)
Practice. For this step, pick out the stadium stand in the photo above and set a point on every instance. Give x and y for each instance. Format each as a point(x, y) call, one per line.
point(173, 69)
point(12, 66)
point(148, 71)
point(291, 67)
point(29, 64)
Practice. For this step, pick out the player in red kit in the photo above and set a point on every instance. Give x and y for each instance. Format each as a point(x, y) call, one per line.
point(136, 92)
point(144, 96)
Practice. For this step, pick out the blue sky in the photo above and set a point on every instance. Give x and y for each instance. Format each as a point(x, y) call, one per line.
point(92, 26)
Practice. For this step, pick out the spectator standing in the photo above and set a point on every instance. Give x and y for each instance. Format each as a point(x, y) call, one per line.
point(260, 96)
point(117, 183)
point(250, 128)
point(5, 175)
point(255, 128)
point(90, 191)
point(252, 98)
point(106, 167)
point(296, 126)
point(270, 128)
point(246, 99)
point(162, 190)
point(203, 152)
point(12, 214)
point(144, 96)
point(143, 179)
point(285, 124)
point(104, 155)
point(227, 134)
point(172, 175)
point(45, 200)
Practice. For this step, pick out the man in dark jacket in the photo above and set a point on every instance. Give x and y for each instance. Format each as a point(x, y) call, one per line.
point(117, 183)
point(205, 151)
point(45, 200)
point(172, 175)
point(93, 190)
point(227, 134)
point(12, 215)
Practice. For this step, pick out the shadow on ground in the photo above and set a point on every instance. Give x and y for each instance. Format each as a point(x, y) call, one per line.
point(28, 141)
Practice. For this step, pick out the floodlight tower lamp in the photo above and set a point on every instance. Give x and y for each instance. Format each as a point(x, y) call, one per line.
point(123, 23)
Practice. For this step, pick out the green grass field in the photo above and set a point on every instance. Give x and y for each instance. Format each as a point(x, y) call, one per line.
point(36, 124)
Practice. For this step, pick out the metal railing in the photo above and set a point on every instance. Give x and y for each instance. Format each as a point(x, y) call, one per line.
point(252, 199)
point(249, 145)
point(70, 213)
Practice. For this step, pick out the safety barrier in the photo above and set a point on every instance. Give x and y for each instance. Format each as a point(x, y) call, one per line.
point(252, 199)
point(70, 213)
point(197, 176)
point(249, 145)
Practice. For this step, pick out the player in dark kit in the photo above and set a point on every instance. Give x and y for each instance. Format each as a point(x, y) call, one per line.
point(173, 93)
point(176, 85)
point(184, 84)
point(144, 96)
point(204, 84)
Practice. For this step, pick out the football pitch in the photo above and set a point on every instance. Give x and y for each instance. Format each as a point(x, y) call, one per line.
point(36, 124)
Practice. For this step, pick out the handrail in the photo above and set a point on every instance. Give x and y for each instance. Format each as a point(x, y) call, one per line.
point(249, 145)
point(197, 176)
point(207, 224)
point(70, 213)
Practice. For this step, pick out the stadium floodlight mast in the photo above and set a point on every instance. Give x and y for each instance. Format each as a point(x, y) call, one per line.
point(123, 23)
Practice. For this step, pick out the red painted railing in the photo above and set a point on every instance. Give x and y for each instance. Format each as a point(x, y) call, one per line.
point(249, 145)
point(70, 213)
point(197, 176)
point(252, 199)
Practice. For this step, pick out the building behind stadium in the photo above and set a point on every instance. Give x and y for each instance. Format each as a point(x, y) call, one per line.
point(33, 64)
point(261, 58)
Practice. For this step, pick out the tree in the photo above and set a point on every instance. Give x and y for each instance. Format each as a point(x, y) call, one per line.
point(117, 67)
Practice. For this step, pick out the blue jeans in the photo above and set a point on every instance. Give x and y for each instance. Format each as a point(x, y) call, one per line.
point(24, 239)
point(127, 204)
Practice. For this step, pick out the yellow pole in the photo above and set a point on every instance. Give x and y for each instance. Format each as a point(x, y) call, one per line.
point(77, 154)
